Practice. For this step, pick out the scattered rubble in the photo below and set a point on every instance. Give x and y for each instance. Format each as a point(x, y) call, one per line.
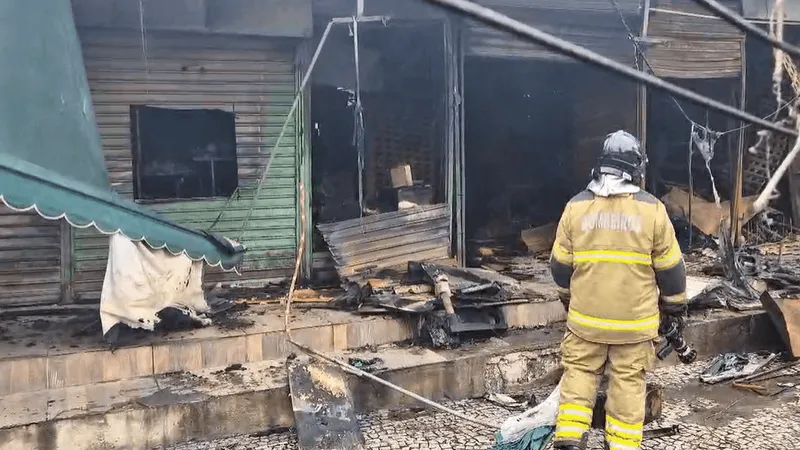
point(539, 239)
point(733, 366)
point(371, 365)
point(704, 215)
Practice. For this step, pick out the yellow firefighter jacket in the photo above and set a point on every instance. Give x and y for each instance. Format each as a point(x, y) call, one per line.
point(620, 262)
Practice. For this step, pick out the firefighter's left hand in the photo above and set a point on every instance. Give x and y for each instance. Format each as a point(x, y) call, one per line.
point(669, 318)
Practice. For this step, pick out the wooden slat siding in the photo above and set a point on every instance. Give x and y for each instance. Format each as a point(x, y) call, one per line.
point(601, 32)
point(253, 77)
point(693, 46)
point(30, 259)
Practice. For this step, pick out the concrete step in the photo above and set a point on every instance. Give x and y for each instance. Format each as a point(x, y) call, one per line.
point(54, 364)
point(210, 403)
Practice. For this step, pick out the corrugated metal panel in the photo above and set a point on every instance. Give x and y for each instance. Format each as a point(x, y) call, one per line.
point(688, 42)
point(388, 240)
point(603, 33)
point(30, 259)
point(253, 77)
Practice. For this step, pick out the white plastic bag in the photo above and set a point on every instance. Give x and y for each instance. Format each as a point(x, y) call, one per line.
point(543, 414)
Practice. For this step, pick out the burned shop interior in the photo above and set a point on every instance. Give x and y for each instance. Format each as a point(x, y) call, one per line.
point(533, 129)
point(399, 128)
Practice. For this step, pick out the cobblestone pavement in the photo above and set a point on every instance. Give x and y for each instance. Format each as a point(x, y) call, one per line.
point(710, 417)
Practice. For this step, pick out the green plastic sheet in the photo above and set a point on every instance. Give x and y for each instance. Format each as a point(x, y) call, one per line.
point(51, 159)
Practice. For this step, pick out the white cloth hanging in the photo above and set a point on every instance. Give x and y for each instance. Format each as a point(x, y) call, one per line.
point(140, 282)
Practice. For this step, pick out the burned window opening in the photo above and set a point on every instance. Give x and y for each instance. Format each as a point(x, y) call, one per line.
point(183, 154)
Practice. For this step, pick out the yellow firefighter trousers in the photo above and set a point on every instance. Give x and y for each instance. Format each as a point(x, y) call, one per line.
point(584, 363)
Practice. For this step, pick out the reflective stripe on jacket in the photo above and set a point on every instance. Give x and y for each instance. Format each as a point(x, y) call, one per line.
point(615, 255)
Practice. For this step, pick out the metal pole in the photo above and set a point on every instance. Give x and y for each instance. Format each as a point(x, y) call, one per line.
point(738, 185)
point(691, 184)
point(642, 87)
point(289, 116)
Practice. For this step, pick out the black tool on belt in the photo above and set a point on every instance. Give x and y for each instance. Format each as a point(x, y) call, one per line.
point(670, 330)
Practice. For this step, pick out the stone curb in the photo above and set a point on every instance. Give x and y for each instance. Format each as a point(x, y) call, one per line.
point(510, 365)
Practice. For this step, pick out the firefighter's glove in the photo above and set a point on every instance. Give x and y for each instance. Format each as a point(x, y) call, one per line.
point(670, 319)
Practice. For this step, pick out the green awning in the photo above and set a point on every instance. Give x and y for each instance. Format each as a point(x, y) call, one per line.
point(51, 159)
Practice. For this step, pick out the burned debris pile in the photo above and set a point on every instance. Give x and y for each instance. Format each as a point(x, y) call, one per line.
point(450, 302)
point(759, 272)
point(761, 373)
point(397, 262)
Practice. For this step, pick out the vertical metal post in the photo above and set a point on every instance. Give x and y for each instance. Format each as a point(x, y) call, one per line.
point(691, 186)
point(461, 161)
point(137, 161)
point(450, 88)
point(359, 113)
point(303, 135)
point(642, 93)
point(67, 266)
point(736, 201)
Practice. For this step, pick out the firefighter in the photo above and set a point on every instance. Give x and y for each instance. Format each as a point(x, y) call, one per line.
point(619, 271)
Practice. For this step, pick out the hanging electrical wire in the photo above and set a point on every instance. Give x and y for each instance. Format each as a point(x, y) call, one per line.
point(705, 144)
point(358, 120)
point(295, 103)
point(641, 54)
point(705, 140)
point(499, 20)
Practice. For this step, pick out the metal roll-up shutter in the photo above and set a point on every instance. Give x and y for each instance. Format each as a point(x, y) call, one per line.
point(598, 28)
point(30, 258)
point(686, 41)
point(252, 77)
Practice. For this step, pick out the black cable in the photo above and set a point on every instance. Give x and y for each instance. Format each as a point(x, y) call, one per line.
point(743, 24)
point(498, 20)
point(641, 54)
